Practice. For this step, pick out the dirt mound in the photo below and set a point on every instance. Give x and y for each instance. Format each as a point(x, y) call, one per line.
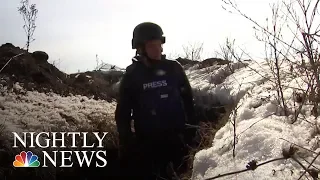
point(35, 73)
point(184, 61)
point(212, 61)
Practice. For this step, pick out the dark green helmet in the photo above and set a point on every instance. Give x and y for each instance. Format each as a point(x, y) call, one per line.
point(146, 31)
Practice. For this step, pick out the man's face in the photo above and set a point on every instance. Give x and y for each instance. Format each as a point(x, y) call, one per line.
point(154, 49)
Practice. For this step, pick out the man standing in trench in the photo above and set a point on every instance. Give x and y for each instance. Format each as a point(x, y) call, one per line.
point(156, 94)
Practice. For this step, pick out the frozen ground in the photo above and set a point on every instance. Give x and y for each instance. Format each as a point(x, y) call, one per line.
point(259, 120)
point(30, 111)
point(261, 129)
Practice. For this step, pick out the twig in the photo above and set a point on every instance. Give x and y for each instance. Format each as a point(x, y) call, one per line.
point(248, 169)
point(299, 146)
point(254, 22)
point(10, 61)
point(267, 78)
point(306, 169)
point(196, 127)
point(299, 163)
point(309, 166)
point(304, 98)
point(174, 172)
point(255, 123)
point(234, 123)
point(309, 163)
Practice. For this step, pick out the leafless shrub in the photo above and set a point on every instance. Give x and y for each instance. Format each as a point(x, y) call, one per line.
point(173, 55)
point(279, 51)
point(227, 49)
point(29, 14)
point(193, 51)
point(56, 63)
point(228, 52)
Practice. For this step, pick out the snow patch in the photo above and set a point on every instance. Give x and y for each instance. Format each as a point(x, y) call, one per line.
point(27, 111)
point(262, 130)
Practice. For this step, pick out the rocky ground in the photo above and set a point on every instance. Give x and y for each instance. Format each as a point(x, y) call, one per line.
point(34, 72)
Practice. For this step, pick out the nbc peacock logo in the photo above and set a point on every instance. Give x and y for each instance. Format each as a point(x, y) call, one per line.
point(26, 159)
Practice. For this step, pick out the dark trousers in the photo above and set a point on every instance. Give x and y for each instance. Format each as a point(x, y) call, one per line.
point(153, 154)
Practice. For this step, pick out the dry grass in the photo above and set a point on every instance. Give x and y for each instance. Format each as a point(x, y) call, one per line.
point(204, 138)
point(98, 124)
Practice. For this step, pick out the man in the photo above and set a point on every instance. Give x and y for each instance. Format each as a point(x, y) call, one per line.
point(155, 93)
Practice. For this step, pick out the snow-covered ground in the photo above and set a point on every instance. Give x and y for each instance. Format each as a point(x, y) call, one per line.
point(262, 130)
point(31, 111)
point(259, 120)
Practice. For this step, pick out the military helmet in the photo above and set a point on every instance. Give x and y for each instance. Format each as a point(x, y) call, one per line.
point(146, 31)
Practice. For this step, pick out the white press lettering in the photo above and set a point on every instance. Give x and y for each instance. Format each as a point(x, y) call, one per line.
point(154, 84)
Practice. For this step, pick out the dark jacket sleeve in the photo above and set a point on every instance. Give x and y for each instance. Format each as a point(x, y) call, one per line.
point(187, 95)
point(123, 110)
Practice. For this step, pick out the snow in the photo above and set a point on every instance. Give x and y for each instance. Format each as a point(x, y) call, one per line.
point(87, 76)
point(262, 130)
point(230, 88)
point(31, 111)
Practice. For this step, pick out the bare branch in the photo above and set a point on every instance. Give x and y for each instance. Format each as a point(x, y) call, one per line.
point(10, 61)
point(250, 167)
point(193, 51)
point(298, 146)
point(29, 14)
point(309, 166)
